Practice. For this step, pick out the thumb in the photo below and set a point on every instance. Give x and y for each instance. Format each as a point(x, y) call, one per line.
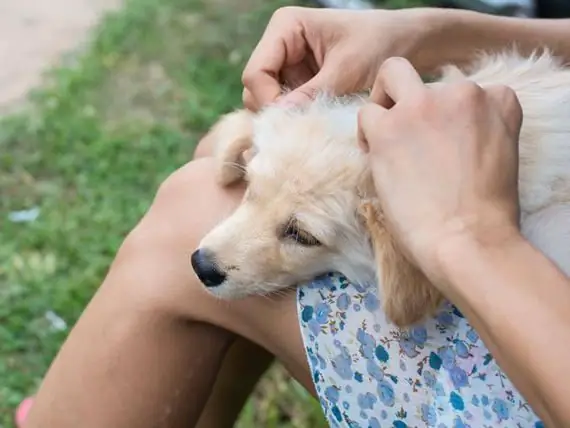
point(331, 79)
point(368, 118)
point(307, 91)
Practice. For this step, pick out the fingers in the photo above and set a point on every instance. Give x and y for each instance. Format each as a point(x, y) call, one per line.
point(282, 44)
point(260, 79)
point(396, 79)
point(304, 84)
point(298, 96)
point(301, 81)
point(369, 118)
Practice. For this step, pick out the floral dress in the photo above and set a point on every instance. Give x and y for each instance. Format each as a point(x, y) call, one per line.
point(370, 374)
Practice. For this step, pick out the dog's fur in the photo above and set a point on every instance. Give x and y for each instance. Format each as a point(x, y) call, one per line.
point(306, 175)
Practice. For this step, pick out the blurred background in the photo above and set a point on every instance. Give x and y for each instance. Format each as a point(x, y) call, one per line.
point(100, 100)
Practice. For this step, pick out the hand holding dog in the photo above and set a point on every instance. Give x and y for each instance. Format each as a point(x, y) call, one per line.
point(309, 50)
point(444, 160)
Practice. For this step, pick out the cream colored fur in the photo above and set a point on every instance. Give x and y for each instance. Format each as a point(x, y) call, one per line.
point(305, 166)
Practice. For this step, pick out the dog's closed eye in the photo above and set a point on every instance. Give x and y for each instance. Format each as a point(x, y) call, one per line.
point(292, 231)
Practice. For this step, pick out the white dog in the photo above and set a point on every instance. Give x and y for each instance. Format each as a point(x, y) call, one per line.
point(310, 206)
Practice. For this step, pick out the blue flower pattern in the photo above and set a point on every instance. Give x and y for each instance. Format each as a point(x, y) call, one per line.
point(370, 374)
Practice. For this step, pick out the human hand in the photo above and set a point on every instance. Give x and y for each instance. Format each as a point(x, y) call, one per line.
point(444, 160)
point(309, 50)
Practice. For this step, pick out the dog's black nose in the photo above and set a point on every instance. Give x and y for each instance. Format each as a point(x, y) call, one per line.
point(206, 269)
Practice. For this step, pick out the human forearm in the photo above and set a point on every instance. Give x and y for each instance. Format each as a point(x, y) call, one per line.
point(455, 36)
point(519, 303)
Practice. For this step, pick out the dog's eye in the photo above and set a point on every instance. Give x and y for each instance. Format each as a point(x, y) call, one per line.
point(300, 236)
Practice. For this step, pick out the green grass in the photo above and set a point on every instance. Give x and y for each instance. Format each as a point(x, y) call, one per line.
point(90, 151)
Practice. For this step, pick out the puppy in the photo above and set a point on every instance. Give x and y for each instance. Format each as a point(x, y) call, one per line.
point(310, 206)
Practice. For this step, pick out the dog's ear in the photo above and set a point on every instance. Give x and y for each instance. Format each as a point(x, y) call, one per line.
point(407, 294)
point(233, 137)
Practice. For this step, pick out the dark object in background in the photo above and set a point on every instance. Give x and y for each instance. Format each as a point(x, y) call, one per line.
point(524, 8)
point(521, 8)
point(553, 8)
point(345, 4)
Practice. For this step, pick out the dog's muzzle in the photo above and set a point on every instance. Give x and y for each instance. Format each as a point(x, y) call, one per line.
point(206, 268)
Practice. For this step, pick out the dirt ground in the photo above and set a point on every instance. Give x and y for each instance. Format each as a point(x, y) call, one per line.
point(34, 34)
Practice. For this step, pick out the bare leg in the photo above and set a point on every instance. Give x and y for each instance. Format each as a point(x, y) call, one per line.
point(242, 367)
point(139, 356)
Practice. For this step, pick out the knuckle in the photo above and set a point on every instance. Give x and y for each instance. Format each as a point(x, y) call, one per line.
point(468, 91)
point(285, 13)
point(396, 61)
point(515, 105)
point(392, 63)
point(512, 99)
point(508, 94)
point(508, 103)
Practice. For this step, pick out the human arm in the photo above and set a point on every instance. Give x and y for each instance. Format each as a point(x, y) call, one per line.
point(519, 303)
point(455, 36)
point(445, 165)
point(340, 51)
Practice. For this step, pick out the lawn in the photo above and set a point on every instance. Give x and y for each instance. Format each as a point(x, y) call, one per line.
point(81, 164)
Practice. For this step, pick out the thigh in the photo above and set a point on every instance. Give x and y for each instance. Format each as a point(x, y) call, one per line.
point(148, 347)
point(272, 323)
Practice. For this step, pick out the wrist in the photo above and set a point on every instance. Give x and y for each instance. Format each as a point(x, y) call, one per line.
point(449, 36)
point(454, 253)
point(433, 38)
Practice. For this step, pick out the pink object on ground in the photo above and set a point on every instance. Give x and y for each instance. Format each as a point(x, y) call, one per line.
point(22, 411)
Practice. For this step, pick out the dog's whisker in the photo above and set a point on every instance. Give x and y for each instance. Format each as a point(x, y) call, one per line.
point(273, 291)
point(236, 165)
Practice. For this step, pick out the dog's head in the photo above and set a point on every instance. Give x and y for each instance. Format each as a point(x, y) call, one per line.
point(309, 207)
point(299, 216)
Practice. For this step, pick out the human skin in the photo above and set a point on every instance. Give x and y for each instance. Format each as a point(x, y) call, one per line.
point(147, 349)
point(460, 221)
point(340, 51)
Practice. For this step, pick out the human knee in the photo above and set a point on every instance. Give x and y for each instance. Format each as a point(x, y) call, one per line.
point(194, 186)
point(187, 206)
point(205, 147)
